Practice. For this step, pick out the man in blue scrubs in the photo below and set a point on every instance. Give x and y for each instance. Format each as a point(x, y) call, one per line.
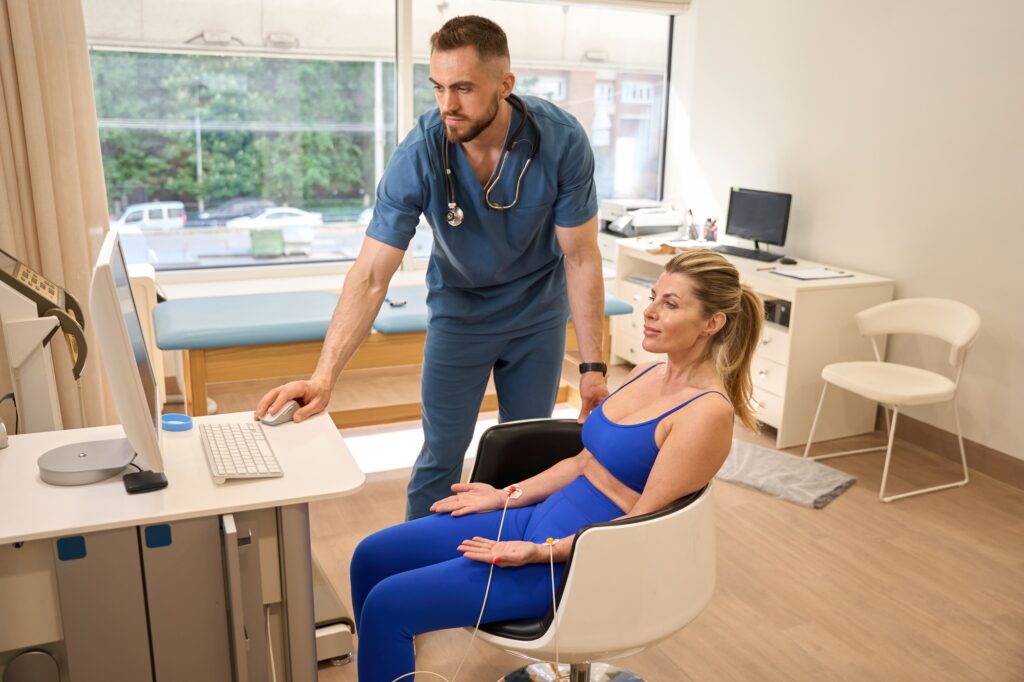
point(509, 245)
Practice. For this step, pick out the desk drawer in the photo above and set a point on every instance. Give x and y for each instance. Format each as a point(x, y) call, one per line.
point(767, 407)
point(768, 375)
point(774, 343)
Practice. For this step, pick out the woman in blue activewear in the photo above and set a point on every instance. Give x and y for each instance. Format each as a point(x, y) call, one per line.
point(662, 435)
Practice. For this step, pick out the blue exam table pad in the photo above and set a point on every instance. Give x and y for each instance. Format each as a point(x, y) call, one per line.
point(287, 317)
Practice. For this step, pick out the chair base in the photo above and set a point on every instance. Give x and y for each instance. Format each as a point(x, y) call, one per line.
point(578, 672)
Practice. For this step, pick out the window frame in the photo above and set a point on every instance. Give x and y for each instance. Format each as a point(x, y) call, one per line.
point(405, 121)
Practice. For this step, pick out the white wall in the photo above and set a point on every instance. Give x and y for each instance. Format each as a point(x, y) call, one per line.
point(899, 129)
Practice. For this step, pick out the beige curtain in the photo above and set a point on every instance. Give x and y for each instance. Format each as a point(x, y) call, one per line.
point(53, 204)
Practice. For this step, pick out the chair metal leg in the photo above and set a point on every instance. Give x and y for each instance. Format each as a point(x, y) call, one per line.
point(888, 454)
point(814, 425)
point(960, 440)
point(577, 672)
point(922, 491)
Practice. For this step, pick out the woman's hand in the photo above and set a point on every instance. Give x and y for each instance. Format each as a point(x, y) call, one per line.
point(503, 554)
point(471, 498)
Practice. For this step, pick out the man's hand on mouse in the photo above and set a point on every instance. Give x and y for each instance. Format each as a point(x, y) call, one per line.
point(314, 396)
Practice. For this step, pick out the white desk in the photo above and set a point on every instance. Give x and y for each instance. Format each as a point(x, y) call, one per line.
point(787, 366)
point(33, 515)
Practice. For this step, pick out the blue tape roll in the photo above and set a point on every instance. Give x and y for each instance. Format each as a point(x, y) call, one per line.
point(172, 421)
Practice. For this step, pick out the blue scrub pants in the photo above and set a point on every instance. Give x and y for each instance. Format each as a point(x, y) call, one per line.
point(456, 368)
point(410, 578)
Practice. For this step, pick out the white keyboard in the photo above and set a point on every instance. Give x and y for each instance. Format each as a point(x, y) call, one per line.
point(238, 451)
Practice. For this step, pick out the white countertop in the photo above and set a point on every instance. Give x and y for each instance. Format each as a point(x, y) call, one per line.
point(315, 460)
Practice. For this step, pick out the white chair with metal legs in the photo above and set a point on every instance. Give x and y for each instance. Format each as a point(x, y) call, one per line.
point(628, 584)
point(894, 385)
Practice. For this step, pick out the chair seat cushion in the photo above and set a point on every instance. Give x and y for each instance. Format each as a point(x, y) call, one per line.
point(890, 383)
point(523, 630)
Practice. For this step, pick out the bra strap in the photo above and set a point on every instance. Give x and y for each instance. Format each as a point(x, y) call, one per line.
point(699, 395)
point(634, 379)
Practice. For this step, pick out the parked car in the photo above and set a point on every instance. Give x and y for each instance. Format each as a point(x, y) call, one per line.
point(154, 215)
point(296, 226)
point(236, 208)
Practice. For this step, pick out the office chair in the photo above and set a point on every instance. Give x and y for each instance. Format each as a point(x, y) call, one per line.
point(895, 385)
point(628, 583)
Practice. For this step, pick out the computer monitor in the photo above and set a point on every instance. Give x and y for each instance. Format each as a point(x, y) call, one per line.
point(130, 374)
point(760, 216)
point(125, 355)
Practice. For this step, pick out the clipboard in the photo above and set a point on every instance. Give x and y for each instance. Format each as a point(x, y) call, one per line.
point(811, 273)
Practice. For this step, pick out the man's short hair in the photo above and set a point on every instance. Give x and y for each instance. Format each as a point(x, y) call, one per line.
point(486, 36)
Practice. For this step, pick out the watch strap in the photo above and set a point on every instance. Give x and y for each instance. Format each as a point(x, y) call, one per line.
point(594, 367)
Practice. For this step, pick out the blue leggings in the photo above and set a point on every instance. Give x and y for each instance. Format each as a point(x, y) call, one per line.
point(410, 578)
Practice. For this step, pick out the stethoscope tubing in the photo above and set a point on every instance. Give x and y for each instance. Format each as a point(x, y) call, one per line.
point(454, 215)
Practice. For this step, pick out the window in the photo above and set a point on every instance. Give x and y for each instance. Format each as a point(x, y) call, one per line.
point(229, 110)
point(637, 92)
point(603, 66)
point(231, 123)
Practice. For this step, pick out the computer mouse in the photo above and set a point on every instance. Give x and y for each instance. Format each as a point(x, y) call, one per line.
point(282, 417)
point(787, 261)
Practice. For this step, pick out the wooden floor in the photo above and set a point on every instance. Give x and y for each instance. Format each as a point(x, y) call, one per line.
point(927, 588)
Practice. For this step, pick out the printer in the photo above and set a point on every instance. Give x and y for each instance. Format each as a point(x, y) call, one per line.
point(631, 218)
point(638, 217)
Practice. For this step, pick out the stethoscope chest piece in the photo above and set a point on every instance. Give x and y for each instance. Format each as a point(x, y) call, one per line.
point(454, 215)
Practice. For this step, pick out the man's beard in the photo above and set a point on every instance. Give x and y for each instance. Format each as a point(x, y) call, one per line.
point(474, 129)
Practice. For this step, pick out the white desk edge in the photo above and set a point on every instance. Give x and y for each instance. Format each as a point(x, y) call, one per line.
point(316, 464)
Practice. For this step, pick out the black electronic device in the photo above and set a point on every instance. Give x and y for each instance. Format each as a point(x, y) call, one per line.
point(144, 482)
point(777, 310)
point(758, 216)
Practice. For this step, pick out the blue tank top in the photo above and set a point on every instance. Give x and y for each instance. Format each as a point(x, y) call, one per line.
point(627, 451)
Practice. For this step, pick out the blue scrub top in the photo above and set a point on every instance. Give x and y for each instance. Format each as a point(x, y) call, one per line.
point(500, 272)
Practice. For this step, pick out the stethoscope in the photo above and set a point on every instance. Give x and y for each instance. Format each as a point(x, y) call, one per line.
point(454, 214)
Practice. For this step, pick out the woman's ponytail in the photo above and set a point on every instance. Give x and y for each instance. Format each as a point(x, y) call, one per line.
point(716, 283)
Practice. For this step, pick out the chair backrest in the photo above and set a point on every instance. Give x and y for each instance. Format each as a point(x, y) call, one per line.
point(633, 582)
point(628, 583)
point(511, 452)
point(952, 321)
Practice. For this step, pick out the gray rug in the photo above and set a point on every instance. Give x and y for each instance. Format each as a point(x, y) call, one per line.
point(803, 481)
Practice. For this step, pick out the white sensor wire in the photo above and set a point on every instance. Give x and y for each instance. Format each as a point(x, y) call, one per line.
point(487, 590)
point(479, 618)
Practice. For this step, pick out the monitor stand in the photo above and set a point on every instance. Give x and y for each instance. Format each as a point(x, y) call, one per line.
point(83, 463)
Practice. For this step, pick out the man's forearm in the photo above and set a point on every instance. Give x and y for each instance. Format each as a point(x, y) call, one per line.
point(586, 300)
point(357, 308)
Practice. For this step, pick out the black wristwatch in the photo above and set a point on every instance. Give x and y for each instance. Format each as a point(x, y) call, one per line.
point(594, 367)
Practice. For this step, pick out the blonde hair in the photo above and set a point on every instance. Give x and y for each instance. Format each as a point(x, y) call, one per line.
point(716, 284)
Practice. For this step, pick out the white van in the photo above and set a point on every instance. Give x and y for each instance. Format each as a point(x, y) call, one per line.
point(155, 215)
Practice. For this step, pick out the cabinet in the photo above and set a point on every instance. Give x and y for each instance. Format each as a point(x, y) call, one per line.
point(786, 370)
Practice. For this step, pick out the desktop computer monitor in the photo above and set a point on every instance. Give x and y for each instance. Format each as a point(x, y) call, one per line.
point(760, 216)
point(125, 355)
point(126, 359)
